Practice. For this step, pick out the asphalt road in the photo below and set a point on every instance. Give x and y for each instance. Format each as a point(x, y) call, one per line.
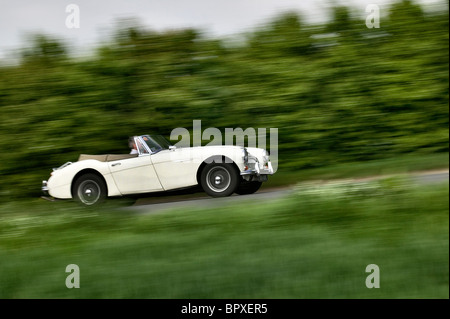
point(195, 197)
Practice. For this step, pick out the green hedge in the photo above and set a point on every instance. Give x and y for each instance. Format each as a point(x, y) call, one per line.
point(337, 92)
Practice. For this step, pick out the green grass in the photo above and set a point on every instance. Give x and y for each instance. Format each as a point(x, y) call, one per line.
point(398, 165)
point(315, 243)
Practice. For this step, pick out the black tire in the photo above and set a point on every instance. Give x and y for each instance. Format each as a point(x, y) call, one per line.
point(89, 190)
point(219, 180)
point(246, 188)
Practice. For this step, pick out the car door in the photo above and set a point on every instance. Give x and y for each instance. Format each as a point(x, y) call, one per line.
point(176, 168)
point(135, 175)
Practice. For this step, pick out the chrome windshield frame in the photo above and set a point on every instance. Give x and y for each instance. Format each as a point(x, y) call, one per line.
point(141, 141)
point(153, 140)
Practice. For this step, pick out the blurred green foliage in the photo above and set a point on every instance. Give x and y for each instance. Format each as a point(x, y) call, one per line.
point(313, 243)
point(337, 92)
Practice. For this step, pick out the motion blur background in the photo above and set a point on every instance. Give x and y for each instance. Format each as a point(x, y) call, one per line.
point(342, 95)
point(337, 91)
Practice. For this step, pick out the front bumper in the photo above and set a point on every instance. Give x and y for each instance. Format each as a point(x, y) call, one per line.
point(44, 188)
point(256, 173)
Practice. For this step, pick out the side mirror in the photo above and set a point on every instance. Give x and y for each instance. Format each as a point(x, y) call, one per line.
point(172, 147)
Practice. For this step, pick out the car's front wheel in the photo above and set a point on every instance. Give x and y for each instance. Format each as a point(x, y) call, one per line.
point(219, 180)
point(89, 189)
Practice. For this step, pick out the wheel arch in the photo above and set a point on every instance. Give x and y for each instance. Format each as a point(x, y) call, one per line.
point(83, 172)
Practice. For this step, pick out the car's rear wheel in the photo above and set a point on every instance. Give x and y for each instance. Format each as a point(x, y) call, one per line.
point(219, 180)
point(89, 189)
point(246, 188)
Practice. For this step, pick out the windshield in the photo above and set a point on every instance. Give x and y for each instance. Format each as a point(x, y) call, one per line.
point(156, 143)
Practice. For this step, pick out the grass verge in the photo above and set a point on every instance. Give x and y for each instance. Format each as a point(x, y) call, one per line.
point(315, 243)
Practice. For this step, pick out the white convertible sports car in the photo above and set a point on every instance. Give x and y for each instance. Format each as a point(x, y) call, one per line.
point(159, 166)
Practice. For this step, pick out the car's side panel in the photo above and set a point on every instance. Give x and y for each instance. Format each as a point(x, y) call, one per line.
point(175, 169)
point(111, 184)
point(233, 153)
point(178, 168)
point(60, 183)
point(62, 191)
point(135, 175)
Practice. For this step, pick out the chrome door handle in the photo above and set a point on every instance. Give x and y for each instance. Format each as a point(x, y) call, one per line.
point(115, 164)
